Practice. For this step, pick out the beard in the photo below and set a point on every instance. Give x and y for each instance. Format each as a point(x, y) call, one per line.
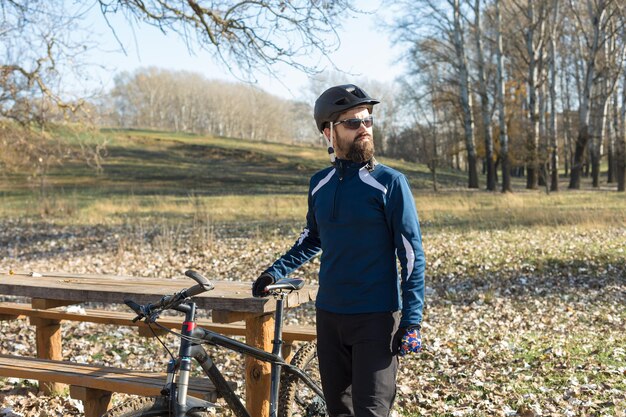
point(359, 150)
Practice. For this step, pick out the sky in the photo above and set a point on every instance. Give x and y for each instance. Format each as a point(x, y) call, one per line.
point(365, 52)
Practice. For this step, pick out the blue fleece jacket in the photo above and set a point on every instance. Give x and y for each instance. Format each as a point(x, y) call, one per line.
point(362, 222)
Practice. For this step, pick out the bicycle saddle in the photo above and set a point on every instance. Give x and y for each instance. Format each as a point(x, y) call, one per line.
point(287, 284)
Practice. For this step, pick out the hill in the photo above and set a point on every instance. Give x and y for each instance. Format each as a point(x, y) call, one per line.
point(163, 175)
point(209, 165)
point(164, 163)
point(157, 173)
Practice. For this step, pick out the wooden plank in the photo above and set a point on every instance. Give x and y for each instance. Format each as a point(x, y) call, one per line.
point(110, 379)
point(122, 318)
point(227, 295)
point(44, 303)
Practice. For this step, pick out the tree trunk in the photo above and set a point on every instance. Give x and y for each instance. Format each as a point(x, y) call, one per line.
point(620, 165)
point(620, 145)
point(582, 139)
point(465, 98)
point(484, 100)
point(534, 65)
point(567, 147)
point(621, 168)
point(532, 167)
point(543, 154)
point(504, 140)
point(612, 138)
point(579, 153)
point(554, 170)
point(554, 144)
point(610, 174)
point(595, 168)
point(598, 140)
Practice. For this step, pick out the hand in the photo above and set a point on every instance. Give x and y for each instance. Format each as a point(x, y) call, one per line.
point(411, 341)
point(258, 288)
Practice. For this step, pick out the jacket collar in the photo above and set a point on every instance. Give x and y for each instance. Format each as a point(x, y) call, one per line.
point(348, 165)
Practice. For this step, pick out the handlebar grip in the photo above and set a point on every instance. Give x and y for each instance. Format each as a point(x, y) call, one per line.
point(195, 290)
point(133, 305)
point(203, 283)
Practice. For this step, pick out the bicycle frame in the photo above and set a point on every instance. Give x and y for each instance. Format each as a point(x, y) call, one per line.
point(191, 347)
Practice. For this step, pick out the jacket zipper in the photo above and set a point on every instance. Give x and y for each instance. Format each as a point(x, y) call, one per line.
point(336, 197)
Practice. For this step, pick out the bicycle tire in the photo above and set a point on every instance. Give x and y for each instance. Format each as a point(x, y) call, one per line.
point(140, 407)
point(296, 399)
point(145, 407)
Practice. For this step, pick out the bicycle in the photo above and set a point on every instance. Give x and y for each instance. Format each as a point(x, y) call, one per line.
point(294, 390)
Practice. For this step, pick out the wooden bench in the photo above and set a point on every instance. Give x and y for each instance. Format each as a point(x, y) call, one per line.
point(93, 385)
point(10, 311)
point(229, 302)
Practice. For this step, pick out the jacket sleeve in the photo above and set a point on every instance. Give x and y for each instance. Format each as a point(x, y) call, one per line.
point(407, 238)
point(306, 247)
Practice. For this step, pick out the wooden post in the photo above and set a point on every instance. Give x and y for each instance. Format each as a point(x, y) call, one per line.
point(95, 402)
point(48, 335)
point(259, 333)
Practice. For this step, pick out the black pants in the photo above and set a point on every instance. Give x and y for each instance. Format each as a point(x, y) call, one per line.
point(358, 362)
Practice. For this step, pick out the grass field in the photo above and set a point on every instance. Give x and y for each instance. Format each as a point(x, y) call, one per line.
point(161, 175)
point(525, 292)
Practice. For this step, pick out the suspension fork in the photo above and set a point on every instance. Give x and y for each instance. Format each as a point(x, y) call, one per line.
point(182, 386)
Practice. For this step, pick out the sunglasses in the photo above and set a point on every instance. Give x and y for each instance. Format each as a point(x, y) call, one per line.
point(354, 124)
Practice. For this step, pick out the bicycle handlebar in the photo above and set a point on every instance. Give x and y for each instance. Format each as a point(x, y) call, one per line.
point(171, 301)
point(203, 283)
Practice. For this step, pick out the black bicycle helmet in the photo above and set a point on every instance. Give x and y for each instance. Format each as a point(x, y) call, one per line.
point(338, 99)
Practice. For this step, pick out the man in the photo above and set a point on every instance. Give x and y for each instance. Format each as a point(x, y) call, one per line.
point(361, 215)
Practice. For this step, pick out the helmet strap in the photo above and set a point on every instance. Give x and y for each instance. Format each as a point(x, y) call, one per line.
point(331, 150)
point(371, 164)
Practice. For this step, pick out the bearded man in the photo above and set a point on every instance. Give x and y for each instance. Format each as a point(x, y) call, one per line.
point(362, 217)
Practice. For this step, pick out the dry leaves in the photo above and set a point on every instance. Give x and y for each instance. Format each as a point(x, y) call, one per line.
point(518, 322)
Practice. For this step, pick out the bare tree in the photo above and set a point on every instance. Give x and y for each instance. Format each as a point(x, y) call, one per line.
point(465, 96)
point(37, 51)
point(614, 49)
point(436, 28)
point(500, 87)
point(188, 102)
point(534, 27)
point(553, 131)
point(592, 24)
point(246, 36)
point(566, 100)
point(38, 54)
point(485, 109)
point(423, 101)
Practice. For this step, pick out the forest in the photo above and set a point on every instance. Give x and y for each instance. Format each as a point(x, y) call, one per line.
point(494, 89)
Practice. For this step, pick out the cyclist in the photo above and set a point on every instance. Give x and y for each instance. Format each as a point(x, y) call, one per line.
point(362, 217)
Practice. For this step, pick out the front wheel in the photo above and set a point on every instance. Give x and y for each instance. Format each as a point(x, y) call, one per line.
point(141, 407)
point(148, 407)
point(296, 398)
